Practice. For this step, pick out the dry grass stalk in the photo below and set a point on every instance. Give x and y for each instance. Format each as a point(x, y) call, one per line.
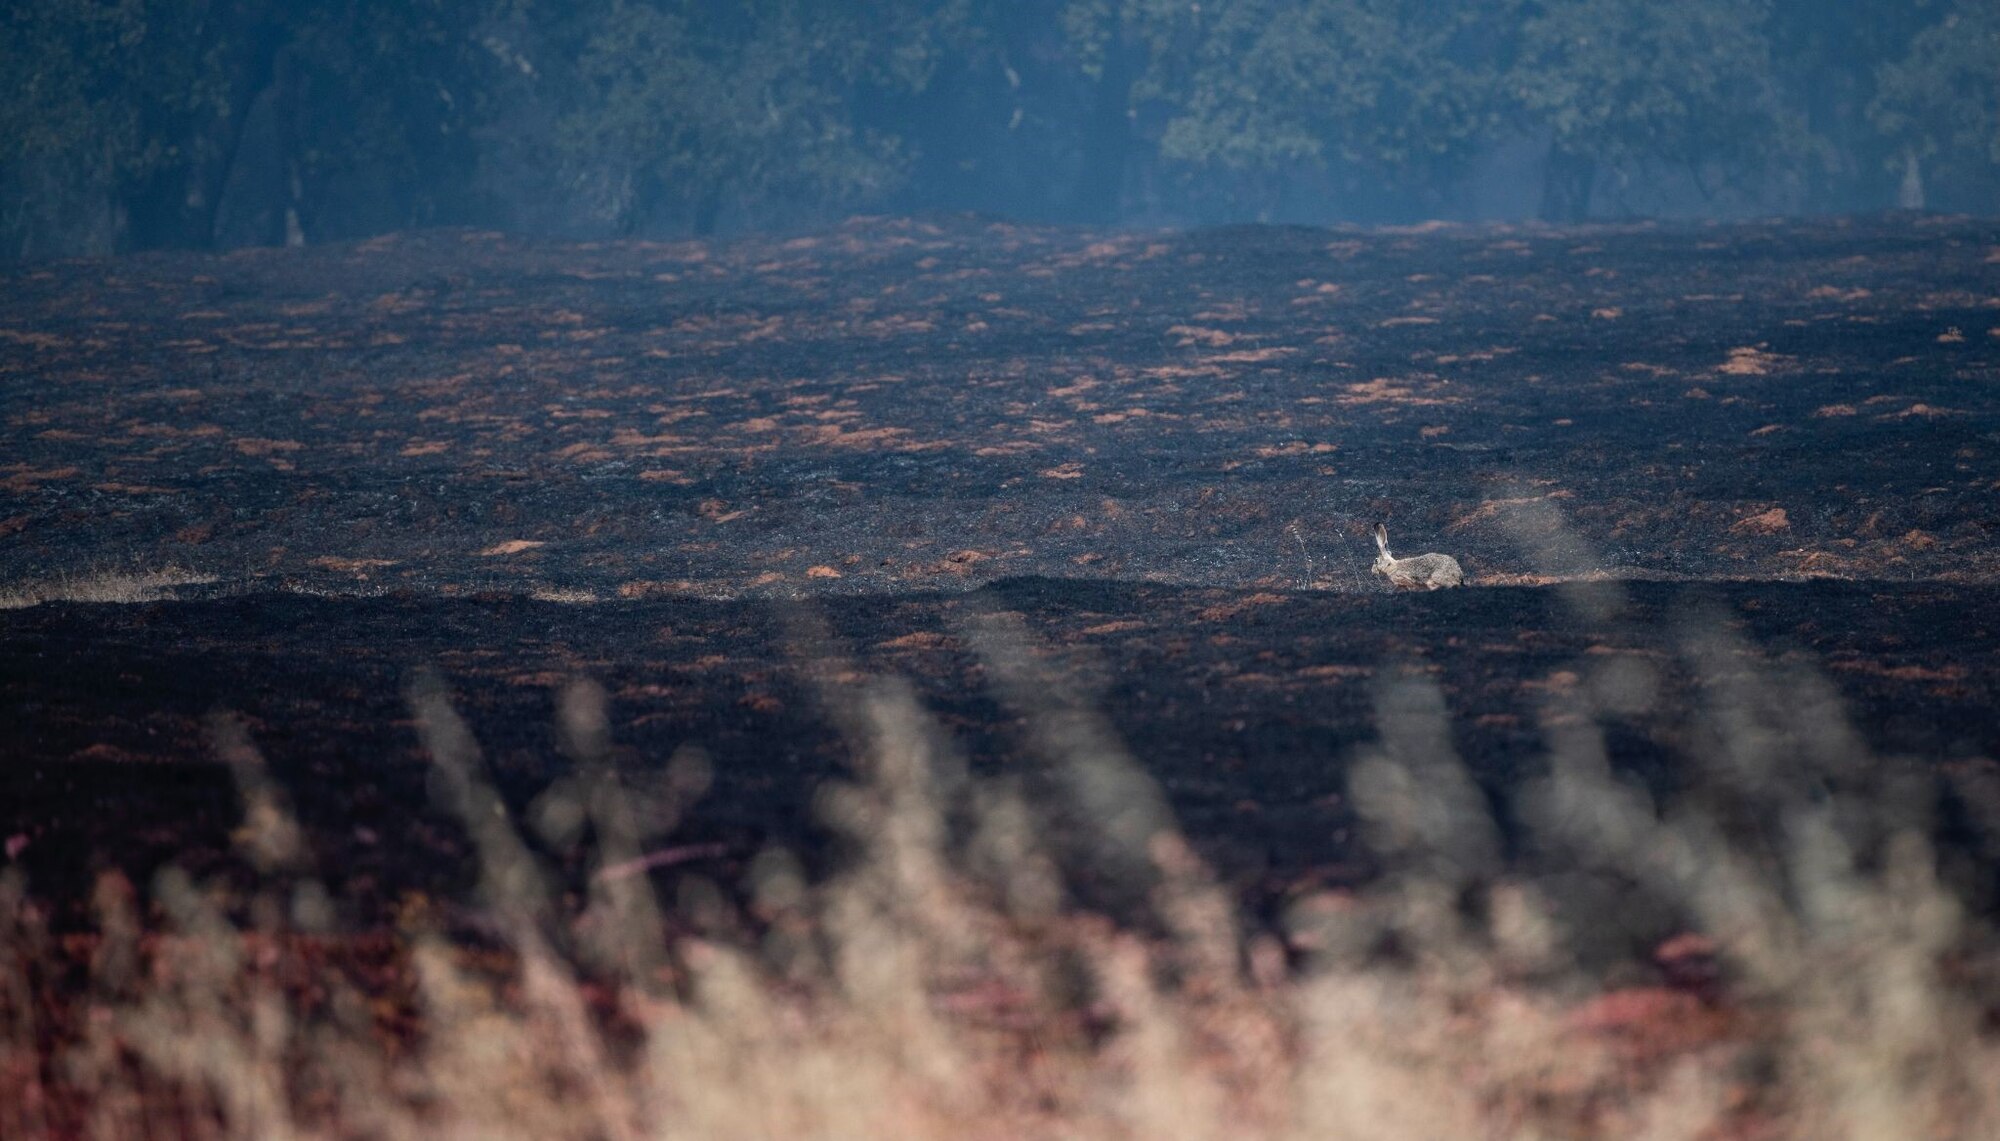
point(951, 981)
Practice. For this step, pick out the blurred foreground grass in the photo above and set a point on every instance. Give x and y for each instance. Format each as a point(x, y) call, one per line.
point(1005, 958)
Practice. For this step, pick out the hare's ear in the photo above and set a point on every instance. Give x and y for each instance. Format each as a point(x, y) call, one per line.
point(1382, 537)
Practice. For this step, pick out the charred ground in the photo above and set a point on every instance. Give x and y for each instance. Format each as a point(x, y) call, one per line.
point(643, 463)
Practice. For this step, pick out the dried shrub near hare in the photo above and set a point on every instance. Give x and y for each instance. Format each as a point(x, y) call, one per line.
point(101, 586)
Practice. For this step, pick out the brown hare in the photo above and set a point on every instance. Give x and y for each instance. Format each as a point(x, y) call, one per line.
point(1428, 571)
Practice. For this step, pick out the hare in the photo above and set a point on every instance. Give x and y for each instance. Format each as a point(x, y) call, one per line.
point(1428, 571)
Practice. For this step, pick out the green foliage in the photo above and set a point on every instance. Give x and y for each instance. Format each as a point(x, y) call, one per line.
point(391, 93)
point(679, 103)
point(90, 87)
point(127, 122)
point(1373, 82)
point(1627, 82)
point(1941, 99)
point(61, 58)
point(143, 103)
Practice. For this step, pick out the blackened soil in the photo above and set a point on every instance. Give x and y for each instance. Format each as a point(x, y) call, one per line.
point(1246, 708)
point(899, 406)
point(645, 463)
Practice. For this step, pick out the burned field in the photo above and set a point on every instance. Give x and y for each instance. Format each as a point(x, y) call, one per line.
point(690, 471)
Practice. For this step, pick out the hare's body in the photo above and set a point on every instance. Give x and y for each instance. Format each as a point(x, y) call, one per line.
point(1430, 571)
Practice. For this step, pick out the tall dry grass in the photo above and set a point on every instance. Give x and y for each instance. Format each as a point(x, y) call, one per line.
point(950, 981)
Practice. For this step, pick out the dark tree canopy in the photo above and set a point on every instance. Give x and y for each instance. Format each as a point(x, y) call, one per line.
point(132, 124)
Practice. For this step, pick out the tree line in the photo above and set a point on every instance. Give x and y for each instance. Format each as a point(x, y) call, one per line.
point(140, 124)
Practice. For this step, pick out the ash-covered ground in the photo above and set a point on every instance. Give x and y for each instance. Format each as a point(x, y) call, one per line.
point(654, 465)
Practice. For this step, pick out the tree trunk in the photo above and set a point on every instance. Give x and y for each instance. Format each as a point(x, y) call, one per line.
point(1107, 141)
point(707, 212)
point(1910, 195)
point(1567, 180)
point(174, 207)
point(288, 189)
